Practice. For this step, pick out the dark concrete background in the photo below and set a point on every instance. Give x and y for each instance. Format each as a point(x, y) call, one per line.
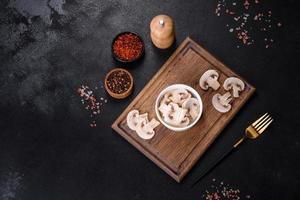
point(47, 149)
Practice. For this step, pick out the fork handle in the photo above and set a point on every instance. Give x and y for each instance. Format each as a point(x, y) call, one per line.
point(238, 142)
point(218, 161)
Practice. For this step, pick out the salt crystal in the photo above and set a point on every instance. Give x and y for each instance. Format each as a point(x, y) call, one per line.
point(92, 104)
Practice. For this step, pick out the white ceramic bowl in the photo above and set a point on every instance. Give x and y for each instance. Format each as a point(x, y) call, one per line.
point(194, 94)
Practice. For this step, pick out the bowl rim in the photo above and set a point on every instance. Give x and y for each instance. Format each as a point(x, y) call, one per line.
point(127, 61)
point(116, 95)
point(194, 93)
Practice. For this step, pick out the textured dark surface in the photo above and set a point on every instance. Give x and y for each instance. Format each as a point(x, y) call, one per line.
point(47, 149)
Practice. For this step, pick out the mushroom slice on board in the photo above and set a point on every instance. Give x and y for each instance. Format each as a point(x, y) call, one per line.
point(236, 84)
point(134, 118)
point(222, 102)
point(192, 105)
point(209, 79)
point(145, 130)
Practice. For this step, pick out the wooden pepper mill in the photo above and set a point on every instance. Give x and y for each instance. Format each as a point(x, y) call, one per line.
point(162, 31)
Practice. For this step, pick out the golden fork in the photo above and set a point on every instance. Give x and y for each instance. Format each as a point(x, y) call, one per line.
point(251, 132)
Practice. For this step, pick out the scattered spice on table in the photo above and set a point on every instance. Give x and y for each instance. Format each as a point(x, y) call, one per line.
point(222, 191)
point(128, 46)
point(91, 103)
point(118, 82)
point(248, 20)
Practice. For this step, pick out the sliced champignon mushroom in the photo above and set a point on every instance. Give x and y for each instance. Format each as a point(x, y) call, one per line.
point(134, 118)
point(185, 121)
point(164, 109)
point(209, 79)
point(179, 114)
point(237, 85)
point(222, 102)
point(177, 117)
point(172, 110)
point(146, 130)
point(179, 96)
point(169, 120)
point(166, 99)
point(141, 125)
point(144, 116)
point(193, 107)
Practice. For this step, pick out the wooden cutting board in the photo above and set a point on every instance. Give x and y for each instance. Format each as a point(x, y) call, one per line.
point(177, 152)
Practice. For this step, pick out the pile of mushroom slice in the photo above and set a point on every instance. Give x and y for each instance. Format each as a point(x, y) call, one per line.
point(141, 125)
point(178, 107)
point(221, 102)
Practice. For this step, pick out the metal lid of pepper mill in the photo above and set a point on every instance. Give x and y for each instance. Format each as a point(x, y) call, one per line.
point(162, 31)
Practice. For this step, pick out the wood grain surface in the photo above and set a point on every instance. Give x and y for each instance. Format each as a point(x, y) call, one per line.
point(177, 152)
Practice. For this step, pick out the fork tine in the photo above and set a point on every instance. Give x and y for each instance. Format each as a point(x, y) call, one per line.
point(254, 123)
point(264, 128)
point(262, 121)
point(263, 124)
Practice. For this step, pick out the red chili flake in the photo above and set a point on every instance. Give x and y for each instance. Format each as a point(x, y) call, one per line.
point(128, 46)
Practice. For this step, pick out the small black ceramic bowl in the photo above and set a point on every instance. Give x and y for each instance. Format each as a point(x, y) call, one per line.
point(118, 38)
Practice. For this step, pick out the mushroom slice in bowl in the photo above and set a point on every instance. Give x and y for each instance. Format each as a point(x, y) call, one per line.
point(165, 109)
point(177, 116)
point(209, 79)
point(236, 84)
point(192, 105)
point(166, 98)
point(179, 96)
point(171, 121)
point(164, 106)
point(222, 102)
